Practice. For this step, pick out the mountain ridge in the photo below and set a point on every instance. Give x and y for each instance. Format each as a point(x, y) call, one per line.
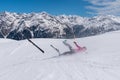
point(43, 25)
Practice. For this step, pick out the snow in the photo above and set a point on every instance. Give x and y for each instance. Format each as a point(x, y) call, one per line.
point(20, 60)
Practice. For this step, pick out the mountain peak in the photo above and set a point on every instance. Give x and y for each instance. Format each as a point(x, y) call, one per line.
point(44, 13)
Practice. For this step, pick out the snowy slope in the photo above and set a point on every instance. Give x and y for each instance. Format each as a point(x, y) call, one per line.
point(20, 60)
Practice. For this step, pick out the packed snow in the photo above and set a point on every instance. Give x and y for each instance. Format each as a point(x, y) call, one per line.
point(20, 60)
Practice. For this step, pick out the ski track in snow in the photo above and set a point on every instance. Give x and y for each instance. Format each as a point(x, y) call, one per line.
point(77, 68)
point(17, 48)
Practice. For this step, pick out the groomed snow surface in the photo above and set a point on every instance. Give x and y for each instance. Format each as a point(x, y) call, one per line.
point(20, 60)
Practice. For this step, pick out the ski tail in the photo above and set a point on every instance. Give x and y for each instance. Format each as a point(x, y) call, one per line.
point(36, 46)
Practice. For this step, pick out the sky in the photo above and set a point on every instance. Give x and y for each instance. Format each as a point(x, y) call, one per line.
point(85, 8)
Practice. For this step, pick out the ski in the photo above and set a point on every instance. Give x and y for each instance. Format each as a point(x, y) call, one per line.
point(36, 45)
point(57, 50)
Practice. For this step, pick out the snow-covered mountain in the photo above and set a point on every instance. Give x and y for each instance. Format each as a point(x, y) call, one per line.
point(43, 25)
point(23, 61)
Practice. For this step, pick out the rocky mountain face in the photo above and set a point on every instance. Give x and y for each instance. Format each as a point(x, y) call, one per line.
point(43, 25)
